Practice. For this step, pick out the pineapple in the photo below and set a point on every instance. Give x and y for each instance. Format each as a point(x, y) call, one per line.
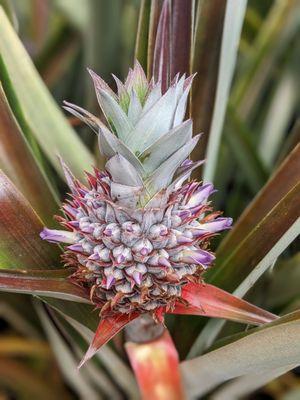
point(138, 232)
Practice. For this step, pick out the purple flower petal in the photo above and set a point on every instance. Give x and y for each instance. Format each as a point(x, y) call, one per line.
point(200, 195)
point(57, 236)
point(217, 225)
point(198, 256)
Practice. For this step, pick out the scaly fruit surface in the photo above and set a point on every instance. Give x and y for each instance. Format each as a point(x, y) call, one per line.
point(136, 233)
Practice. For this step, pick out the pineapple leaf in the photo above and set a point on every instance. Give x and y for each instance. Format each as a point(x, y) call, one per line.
point(106, 330)
point(166, 145)
point(110, 145)
point(49, 283)
point(36, 111)
point(210, 301)
point(123, 172)
point(233, 22)
point(153, 123)
point(266, 348)
point(163, 175)
point(114, 114)
point(18, 162)
point(20, 244)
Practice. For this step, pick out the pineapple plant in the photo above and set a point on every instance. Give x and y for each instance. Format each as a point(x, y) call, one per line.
point(131, 246)
point(137, 235)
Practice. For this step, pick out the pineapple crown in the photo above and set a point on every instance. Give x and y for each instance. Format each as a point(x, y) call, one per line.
point(137, 233)
point(146, 141)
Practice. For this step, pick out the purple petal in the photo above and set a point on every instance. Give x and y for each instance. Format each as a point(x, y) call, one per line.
point(200, 195)
point(163, 261)
point(76, 247)
point(137, 276)
point(57, 236)
point(198, 256)
point(217, 225)
point(109, 281)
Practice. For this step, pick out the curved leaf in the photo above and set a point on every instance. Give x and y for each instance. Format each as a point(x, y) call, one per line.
point(206, 55)
point(233, 268)
point(42, 283)
point(210, 301)
point(141, 45)
point(234, 18)
point(107, 329)
point(17, 161)
point(34, 107)
point(281, 182)
point(273, 346)
point(20, 244)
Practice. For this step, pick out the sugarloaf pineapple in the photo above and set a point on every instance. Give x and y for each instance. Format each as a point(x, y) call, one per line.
point(137, 232)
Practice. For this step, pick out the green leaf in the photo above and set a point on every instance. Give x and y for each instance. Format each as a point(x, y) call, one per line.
point(20, 244)
point(234, 17)
point(242, 149)
point(283, 284)
point(76, 11)
point(247, 384)
point(156, 6)
point(33, 106)
point(268, 348)
point(65, 358)
point(279, 114)
point(141, 45)
point(267, 39)
point(18, 163)
point(95, 373)
point(82, 313)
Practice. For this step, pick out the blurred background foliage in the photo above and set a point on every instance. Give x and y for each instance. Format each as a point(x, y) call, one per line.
point(63, 37)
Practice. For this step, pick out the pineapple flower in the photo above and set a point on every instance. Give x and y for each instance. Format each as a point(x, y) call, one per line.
point(137, 235)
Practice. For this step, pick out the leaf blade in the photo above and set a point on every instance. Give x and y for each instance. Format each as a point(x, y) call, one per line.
point(40, 113)
point(20, 244)
point(210, 301)
point(270, 347)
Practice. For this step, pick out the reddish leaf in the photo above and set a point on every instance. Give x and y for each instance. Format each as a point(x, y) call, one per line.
point(18, 163)
point(181, 37)
point(282, 181)
point(155, 10)
point(233, 267)
point(51, 283)
point(20, 244)
point(207, 48)
point(210, 301)
point(161, 58)
point(107, 329)
point(156, 367)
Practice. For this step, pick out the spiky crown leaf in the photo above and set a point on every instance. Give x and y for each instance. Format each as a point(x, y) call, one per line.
point(137, 233)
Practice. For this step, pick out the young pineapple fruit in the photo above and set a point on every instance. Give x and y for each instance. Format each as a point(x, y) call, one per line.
point(137, 232)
